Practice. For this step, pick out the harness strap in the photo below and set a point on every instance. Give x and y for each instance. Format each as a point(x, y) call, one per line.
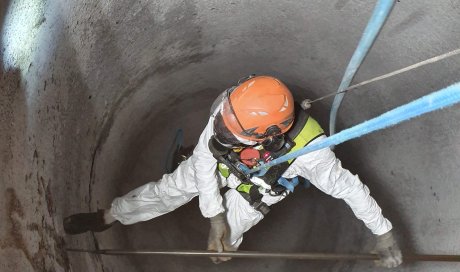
point(251, 194)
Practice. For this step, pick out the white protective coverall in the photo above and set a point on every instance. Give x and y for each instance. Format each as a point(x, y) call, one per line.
point(197, 176)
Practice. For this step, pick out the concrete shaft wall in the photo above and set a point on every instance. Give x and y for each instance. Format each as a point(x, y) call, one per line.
point(92, 93)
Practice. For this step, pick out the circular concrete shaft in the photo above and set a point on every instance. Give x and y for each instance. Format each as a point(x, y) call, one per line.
point(93, 92)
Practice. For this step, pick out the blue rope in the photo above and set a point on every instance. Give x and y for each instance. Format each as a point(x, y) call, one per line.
point(434, 101)
point(375, 24)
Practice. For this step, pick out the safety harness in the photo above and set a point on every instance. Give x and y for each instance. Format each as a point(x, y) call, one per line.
point(304, 130)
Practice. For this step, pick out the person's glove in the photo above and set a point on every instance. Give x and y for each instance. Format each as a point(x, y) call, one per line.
point(218, 238)
point(388, 250)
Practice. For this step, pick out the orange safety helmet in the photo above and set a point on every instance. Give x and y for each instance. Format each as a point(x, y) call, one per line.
point(260, 107)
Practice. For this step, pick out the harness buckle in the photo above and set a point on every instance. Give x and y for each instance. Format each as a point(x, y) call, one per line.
point(261, 207)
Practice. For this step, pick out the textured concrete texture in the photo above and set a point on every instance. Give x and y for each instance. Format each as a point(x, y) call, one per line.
point(92, 93)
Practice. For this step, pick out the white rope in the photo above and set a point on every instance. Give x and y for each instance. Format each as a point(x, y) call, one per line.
point(397, 72)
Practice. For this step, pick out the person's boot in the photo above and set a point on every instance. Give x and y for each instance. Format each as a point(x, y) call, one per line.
point(83, 222)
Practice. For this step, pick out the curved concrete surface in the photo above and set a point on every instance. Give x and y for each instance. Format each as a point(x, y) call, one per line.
point(92, 93)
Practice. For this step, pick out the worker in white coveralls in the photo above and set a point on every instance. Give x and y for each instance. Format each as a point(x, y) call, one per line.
point(253, 122)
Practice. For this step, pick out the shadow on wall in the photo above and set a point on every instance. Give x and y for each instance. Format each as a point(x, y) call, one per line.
point(379, 191)
point(378, 188)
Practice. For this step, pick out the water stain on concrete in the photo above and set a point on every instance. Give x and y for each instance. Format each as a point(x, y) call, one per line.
point(19, 235)
point(411, 20)
point(15, 213)
point(340, 4)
